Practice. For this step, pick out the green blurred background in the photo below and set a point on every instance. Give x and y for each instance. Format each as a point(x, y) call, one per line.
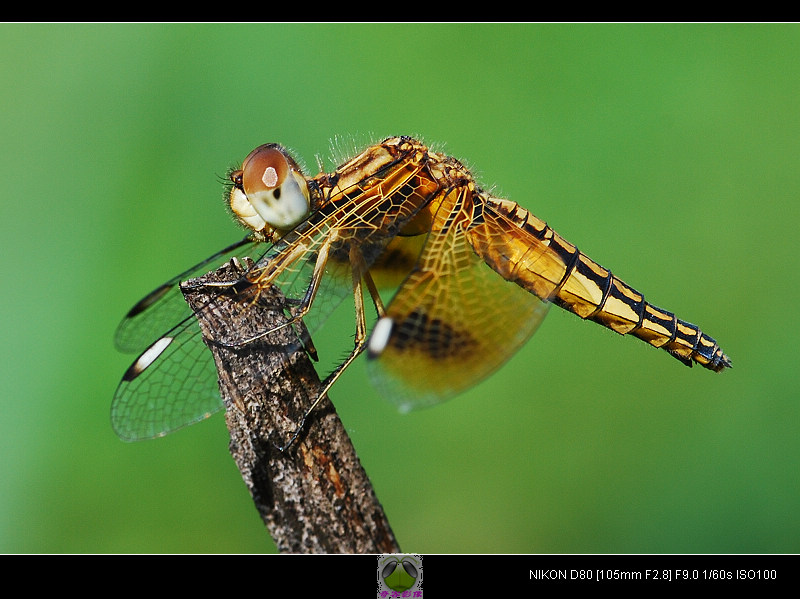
point(668, 153)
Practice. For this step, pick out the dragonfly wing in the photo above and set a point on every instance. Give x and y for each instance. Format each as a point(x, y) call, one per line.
point(163, 307)
point(452, 323)
point(172, 384)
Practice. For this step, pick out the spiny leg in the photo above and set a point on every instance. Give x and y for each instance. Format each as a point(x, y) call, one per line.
point(359, 274)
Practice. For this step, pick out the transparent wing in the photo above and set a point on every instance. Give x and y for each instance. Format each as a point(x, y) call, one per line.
point(173, 382)
point(164, 307)
point(452, 322)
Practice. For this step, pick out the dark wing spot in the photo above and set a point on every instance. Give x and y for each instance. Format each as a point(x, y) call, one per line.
point(432, 336)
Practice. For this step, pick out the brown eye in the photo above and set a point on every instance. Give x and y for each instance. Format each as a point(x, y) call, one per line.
point(265, 168)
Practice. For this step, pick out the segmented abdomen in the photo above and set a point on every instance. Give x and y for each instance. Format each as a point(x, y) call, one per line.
point(523, 249)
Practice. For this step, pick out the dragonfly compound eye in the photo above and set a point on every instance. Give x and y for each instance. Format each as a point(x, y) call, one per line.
point(264, 169)
point(273, 194)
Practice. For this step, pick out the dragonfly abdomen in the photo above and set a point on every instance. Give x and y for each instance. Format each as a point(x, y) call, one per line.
point(625, 311)
point(538, 259)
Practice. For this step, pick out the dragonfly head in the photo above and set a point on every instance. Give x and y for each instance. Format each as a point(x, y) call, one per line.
point(269, 193)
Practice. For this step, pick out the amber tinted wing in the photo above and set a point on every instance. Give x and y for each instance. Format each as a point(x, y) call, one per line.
point(453, 320)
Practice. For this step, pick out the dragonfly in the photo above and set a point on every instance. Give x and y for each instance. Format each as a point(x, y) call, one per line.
point(470, 278)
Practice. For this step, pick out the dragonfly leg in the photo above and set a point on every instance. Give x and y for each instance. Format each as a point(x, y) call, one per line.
point(299, 311)
point(373, 292)
point(360, 274)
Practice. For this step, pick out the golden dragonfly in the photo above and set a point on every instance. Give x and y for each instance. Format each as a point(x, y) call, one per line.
point(472, 277)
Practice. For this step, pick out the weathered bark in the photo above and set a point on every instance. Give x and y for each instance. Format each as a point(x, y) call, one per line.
point(314, 496)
